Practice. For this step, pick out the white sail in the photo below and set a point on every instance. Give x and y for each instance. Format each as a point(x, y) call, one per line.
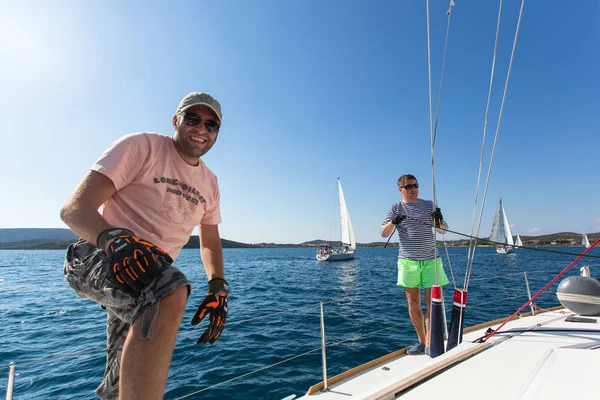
point(518, 241)
point(585, 241)
point(345, 223)
point(501, 229)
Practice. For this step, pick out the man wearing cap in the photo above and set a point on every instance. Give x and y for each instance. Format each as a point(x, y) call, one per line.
point(134, 210)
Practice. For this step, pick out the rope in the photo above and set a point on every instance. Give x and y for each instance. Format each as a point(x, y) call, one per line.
point(488, 241)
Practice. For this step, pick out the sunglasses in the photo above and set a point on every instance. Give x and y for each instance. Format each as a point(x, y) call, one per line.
point(411, 186)
point(192, 119)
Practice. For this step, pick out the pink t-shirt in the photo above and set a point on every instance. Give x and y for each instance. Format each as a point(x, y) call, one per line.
point(160, 197)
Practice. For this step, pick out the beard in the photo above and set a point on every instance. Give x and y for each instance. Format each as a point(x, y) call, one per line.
point(190, 148)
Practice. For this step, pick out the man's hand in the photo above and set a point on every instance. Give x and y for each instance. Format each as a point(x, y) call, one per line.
point(398, 219)
point(134, 261)
point(438, 218)
point(215, 303)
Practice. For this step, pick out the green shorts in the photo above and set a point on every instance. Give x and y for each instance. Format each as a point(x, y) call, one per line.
point(414, 273)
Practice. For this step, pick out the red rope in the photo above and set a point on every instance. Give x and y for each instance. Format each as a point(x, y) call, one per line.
point(544, 288)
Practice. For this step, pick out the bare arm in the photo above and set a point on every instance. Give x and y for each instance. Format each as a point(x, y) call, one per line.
point(80, 212)
point(211, 251)
point(387, 229)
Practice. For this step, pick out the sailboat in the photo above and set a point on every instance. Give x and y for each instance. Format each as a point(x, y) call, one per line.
point(346, 252)
point(585, 242)
point(518, 241)
point(501, 231)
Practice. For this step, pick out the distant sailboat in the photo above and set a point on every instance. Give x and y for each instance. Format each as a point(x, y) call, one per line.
point(501, 231)
point(585, 242)
point(346, 252)
point(518, 241)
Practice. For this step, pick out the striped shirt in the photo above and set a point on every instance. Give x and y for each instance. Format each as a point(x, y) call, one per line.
point(415, 234)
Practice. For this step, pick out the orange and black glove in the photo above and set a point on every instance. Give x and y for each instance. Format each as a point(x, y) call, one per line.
point(134, 261)
point(215, 304)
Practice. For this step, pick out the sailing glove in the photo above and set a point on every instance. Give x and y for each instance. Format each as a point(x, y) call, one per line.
point(215, 304)
point(437, 217)
point(398, 219)
point(133, 261)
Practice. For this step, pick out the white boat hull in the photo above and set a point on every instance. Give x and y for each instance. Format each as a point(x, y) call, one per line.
point(335, 257)
point(502, 250)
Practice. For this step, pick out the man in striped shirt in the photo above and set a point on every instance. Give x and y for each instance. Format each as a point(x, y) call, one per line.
point(419, 264)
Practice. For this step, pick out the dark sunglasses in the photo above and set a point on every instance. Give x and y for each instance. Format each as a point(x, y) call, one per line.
point(192, 119)
point(412, 186)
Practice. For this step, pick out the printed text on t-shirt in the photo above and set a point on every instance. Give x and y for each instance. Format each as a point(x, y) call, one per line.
point(191, 191)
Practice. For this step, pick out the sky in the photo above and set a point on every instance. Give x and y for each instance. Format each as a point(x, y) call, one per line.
point(311, 91)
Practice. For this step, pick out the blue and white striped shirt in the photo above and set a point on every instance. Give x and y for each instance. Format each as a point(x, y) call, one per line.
point(415, 234)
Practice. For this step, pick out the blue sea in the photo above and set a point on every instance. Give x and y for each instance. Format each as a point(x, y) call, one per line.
point(270, 348)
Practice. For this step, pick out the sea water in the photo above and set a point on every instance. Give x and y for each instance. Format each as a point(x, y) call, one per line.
point(270, 347)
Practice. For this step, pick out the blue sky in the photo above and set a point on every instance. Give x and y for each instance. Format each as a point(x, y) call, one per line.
point(311, 91)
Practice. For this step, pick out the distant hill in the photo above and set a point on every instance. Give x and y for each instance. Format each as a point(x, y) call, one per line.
point(19, 234)
point(561, 237)
point(57, 238)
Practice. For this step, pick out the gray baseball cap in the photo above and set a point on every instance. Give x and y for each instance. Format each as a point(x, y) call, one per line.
point(198, 98)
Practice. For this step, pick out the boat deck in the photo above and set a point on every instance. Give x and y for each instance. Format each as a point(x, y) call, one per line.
point(535, 357)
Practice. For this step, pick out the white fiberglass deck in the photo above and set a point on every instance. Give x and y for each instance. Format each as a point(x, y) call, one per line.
point(557, 360)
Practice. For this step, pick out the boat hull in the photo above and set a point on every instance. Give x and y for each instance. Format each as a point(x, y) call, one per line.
point(335, 257)
point(502, 250)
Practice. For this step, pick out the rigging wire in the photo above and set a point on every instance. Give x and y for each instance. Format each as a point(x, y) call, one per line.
point(510, 63)
point(472, 246)
point(433, 127)
point(433, 135)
